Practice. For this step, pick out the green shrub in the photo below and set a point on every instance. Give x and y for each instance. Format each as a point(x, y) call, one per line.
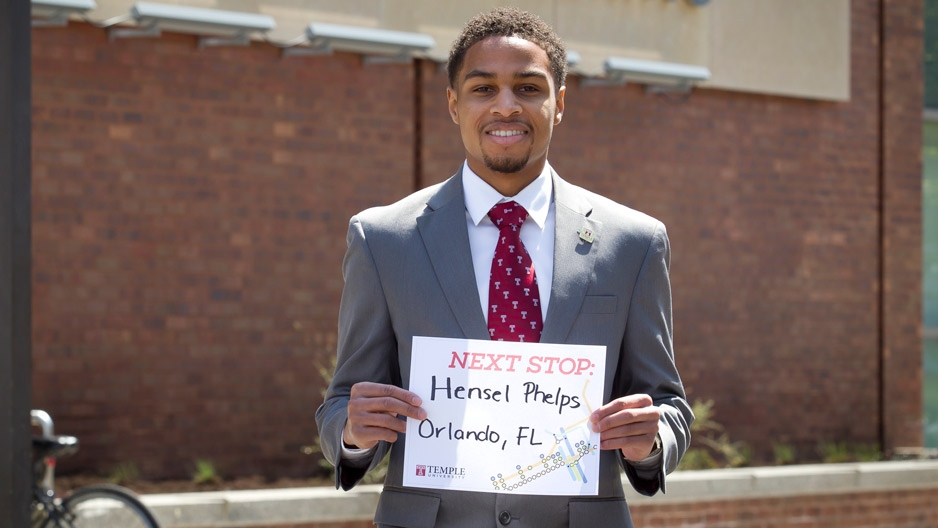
point(205, 472)
point(783, 454)
point(838, 452)
point(712, 446)
point(124, 474)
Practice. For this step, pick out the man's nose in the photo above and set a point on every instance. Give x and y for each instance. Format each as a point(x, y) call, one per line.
point(506, 103)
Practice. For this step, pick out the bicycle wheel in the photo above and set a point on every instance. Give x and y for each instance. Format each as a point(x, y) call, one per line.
point(107, 506)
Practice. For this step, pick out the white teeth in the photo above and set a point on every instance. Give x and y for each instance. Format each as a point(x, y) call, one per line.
point(506, 133)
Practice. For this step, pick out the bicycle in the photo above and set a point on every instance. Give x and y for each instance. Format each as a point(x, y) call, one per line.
point(93, 506)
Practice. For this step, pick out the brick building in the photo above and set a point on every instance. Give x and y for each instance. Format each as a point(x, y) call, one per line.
point(190, 208)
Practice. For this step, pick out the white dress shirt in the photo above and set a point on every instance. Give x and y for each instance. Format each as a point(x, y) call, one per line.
point(537, 232)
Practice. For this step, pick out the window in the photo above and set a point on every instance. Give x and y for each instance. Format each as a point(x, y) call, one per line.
point(930, 226)
point(930, 275)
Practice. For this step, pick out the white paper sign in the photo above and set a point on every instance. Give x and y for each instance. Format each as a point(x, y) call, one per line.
point(504, 417)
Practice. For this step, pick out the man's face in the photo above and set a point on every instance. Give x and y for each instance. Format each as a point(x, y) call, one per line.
point(506, 105)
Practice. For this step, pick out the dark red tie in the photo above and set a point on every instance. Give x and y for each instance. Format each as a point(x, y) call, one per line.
point(514, 300)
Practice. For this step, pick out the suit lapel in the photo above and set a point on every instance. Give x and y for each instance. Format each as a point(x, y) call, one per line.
point(446, 238)
point(573, 259)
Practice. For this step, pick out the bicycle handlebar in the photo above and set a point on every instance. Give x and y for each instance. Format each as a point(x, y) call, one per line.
point(42, 419)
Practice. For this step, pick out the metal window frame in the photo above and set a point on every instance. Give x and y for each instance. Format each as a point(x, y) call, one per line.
point(216, 27)
point(376, 44)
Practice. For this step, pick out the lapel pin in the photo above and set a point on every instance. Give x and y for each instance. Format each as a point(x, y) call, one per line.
point(586, 235)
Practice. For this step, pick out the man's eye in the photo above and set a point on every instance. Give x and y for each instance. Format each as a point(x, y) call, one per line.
point(482, 89)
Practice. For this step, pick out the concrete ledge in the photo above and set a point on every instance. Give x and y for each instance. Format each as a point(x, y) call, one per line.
point(263, 507)
point(809, 479)
point(311, 505)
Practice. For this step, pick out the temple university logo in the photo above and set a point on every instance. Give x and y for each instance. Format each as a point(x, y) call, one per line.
point(432, 471)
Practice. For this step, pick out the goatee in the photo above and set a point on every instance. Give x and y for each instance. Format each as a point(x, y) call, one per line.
point(504, 165)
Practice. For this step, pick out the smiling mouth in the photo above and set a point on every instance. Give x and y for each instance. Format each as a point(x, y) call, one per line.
point(506, 133)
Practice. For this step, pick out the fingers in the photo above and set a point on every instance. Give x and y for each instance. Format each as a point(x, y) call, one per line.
point(374, 412)
point(629, 424)
point(378, 397)
point(359, 435)
point(641, 434)
point(620, 405)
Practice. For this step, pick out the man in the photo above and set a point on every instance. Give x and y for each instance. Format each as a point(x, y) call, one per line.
point(421, 267)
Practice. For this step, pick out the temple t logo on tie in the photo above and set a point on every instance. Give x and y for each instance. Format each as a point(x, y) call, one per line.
point(513, 292)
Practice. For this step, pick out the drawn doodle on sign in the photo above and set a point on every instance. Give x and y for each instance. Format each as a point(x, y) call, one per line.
point(563, 454)
point(548, 463)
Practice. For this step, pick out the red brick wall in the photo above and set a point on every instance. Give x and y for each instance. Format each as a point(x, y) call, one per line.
point(443, 152)
point(190, 208)
point(774, 249)
point(884, 509)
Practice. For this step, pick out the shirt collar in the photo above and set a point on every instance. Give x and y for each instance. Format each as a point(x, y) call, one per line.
point(481, 197)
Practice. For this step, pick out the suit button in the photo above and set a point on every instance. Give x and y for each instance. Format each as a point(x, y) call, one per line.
point(504, 518)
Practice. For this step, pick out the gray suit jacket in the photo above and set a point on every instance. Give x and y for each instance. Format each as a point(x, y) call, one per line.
point(408, 273)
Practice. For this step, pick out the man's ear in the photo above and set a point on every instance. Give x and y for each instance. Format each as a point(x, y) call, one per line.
point(451, 99)
point(559, 112)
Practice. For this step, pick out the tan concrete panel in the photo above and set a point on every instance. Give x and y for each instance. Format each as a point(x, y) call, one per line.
point(669, 31)
point(790, 47)
point(799, 48)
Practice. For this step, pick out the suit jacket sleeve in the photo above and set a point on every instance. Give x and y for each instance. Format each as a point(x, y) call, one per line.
point(649, 358)
point(367, 351)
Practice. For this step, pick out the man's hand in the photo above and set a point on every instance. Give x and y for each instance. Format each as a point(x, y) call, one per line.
point(373, 411)
point(629, 424)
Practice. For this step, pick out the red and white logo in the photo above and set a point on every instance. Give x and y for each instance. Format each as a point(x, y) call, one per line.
point(421, 471)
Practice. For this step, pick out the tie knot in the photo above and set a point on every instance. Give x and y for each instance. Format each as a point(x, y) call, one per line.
point(508, 214)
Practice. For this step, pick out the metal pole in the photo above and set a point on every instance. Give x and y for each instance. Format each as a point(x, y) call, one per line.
point(15, 277)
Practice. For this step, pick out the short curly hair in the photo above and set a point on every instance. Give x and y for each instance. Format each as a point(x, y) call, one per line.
point(509, 22)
